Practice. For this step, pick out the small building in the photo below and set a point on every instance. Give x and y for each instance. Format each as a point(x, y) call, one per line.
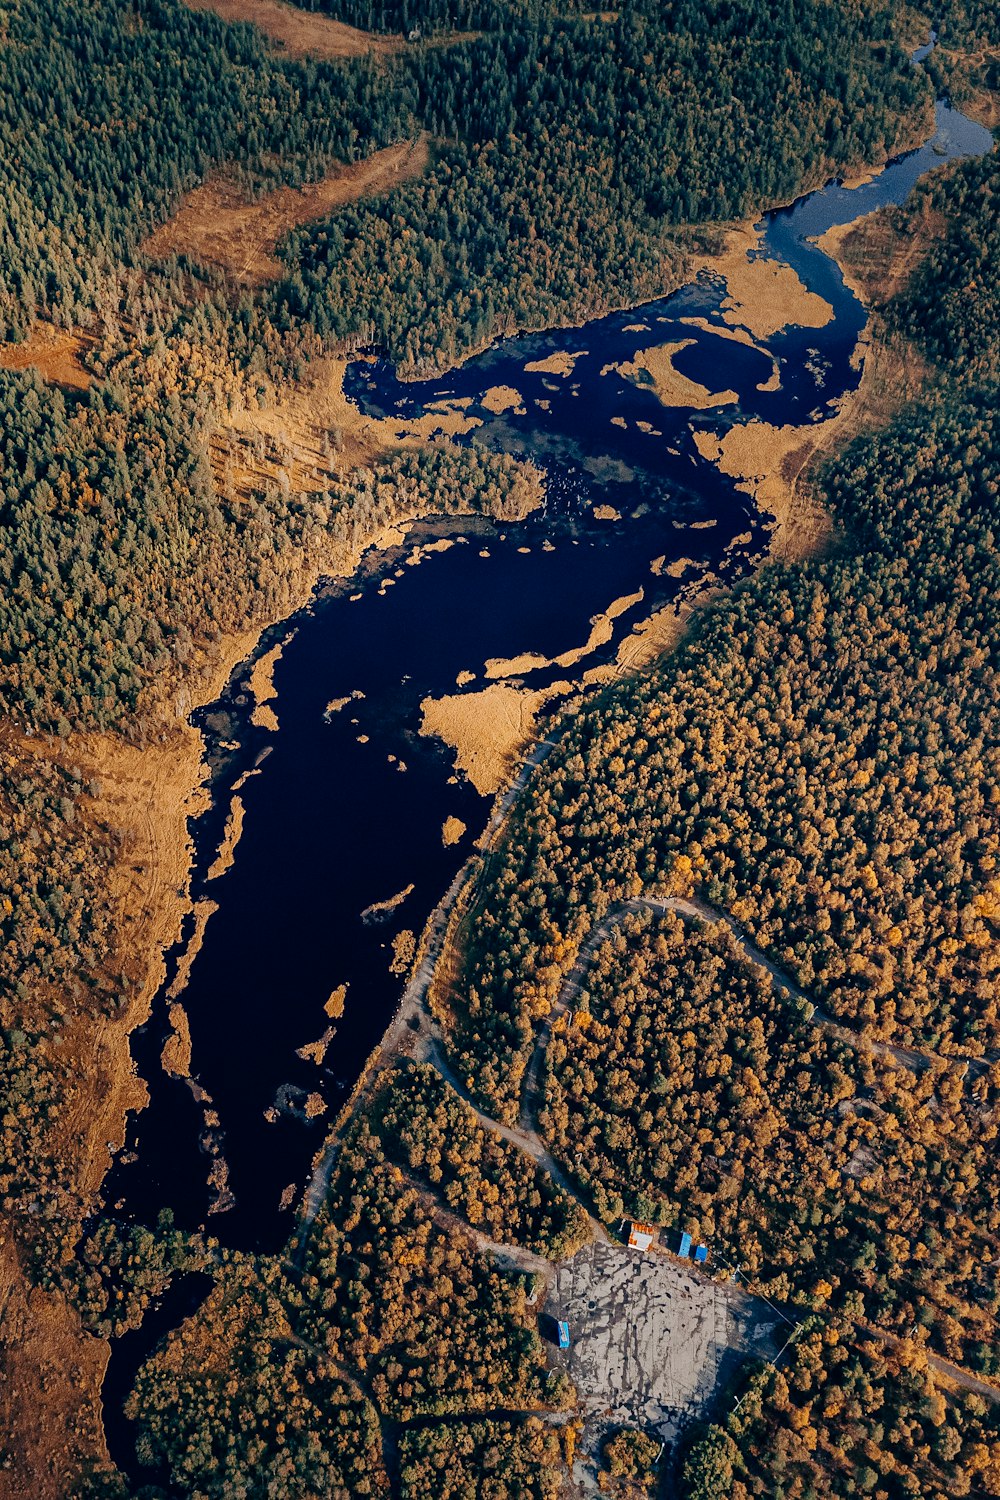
point(684, 1248)
point(701, 1253)
point(562, 1329)
point(640, 1236)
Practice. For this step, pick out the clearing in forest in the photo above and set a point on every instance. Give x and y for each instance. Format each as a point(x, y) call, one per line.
point(301, 33)
point(53, 352)
point(652, 1343)
point(218, 225)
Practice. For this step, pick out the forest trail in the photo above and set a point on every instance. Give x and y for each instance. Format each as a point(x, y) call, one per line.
point(690, 907)
point(427, 1043)
point(954, 1374)
point(526, 1139)
point(390, 1428)
point(218, 225)
point(413, 1016)
point(511, 1257)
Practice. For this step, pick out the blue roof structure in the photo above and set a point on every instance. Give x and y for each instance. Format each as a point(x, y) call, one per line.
point(684, 1248)
point(701, 1252)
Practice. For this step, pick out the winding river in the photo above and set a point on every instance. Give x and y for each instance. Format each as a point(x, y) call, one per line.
point(344, 806)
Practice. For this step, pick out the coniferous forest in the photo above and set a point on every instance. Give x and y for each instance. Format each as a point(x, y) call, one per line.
point(819, 759)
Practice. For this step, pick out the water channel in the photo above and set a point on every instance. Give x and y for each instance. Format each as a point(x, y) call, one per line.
point(344, 809)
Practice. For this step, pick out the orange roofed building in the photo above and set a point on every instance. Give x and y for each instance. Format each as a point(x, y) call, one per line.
point(641, 1236)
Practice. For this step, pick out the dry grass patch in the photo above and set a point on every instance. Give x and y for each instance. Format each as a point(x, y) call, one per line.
point(875, 258)
point(655, 367)
point(53, 352)
point(301, 33)
point(50, 1379)
point(306, 435)
point(263, 689)
point(487, 730)
point(218, 225)
point(501, 398)
point(559, 363)
point(764, 295)
point(232, 834)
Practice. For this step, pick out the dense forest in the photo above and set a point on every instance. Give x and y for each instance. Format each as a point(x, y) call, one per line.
point(483, 1459)
point(112, 111)
point(572, 158)
point(966, 64)
point(778, 763)
point(315, 1369)
point(846, 1418)
point(689, 1092)
point(818, 760)
point(585, 140)
point(490, 1183)
point(54, 924)
point(122, 562)
point(90, 632)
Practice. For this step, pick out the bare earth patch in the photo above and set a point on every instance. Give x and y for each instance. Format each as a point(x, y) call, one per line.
point(201, 911)
point(773, 463)
point(380, 909)
point(218, 225)
point(301, 33)
point(659, 632)
point(51, 1423)
point(145, 796)
point(488, 729)
point(649, 1340)
point(53, 352)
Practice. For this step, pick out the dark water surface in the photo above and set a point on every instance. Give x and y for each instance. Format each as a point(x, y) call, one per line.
point(333, 824)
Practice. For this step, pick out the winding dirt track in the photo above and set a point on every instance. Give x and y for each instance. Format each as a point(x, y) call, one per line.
point(429, 1045)
point(695, 910)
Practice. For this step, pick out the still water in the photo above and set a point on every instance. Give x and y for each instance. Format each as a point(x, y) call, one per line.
point(345, 809)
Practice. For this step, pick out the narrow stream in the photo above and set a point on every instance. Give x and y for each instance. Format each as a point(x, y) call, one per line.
point(344, 808)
